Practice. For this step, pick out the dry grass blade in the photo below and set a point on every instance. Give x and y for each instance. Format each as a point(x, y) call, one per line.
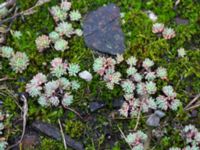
point(5, 92)
point(25, 12)
point(62, 133)
point(24, 116)
point(138, 119)
point(123, 135)
point(41, 2)
point(74, 111)
point(193, 106)
point(192, 102)
point(177, 2)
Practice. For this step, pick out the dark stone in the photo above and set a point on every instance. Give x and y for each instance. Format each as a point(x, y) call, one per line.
point(117, 103)
point(159, 113)
point(102, 31)
point(54, 133)
point(154, 119)
point(94, 106)
point(179, 20)
point(194, 114)
point(30, 141)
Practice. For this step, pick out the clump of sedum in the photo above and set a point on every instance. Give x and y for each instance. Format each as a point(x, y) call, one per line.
point(54, 92)
point(105, 67)
point(139, 84)
point(16, 34)
point(75, 15)
point(136, 140)
point(18, 61)
point(192, 137)
point(158, 28)
point(42, 42)
point(168, 99)
point(58, 67)
point(6, 51)
point(167, 33)
point(65, 19)
point(61, 45)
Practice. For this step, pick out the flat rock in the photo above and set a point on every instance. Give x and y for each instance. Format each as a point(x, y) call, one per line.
point(102, 31)
point(94, 106)
point(30, 141)
point(179, 20)
point(153, 121)
point(159, 113)
point(54, 133)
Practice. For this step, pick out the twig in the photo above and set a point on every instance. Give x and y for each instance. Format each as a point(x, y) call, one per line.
point(4, 91)
point(177, 2)
point(63, 136)
point(25, 12)
point(123, 135)
point(9, 27)
point(10, 19)
point(6, 78)
point(148, 141)
point(193, 107)
point(193, 101)
point(24, 116)
point(7, 3)
point(120, 118)
point(74, 111)
point(139, 114)
point(138, 120)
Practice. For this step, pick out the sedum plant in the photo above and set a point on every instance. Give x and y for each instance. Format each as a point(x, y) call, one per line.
point(181, 52)
point(16, 34)
point(55, 92)
point(58, 67)
point(75, 15)
point(65, 19)
point(139, 84)
point(3, 145)
point(158, 28)
point(192, 137)
point(42, 42)
point(18, 61)
point(7, 52)
point(61, 45)
point(136, 140)
point(167, 33)
point(3, 142)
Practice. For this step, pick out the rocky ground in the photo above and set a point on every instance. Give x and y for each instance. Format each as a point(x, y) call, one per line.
point(93, 121)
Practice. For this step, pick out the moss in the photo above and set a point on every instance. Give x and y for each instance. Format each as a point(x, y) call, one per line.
point(184, 73)
point(47, 143)
point(74, 128)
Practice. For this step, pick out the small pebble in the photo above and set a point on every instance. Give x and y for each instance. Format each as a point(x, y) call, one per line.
point(85, 75)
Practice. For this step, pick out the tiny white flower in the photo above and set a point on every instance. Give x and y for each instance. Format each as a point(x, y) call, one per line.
point(181, 52)
point(152, 16)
